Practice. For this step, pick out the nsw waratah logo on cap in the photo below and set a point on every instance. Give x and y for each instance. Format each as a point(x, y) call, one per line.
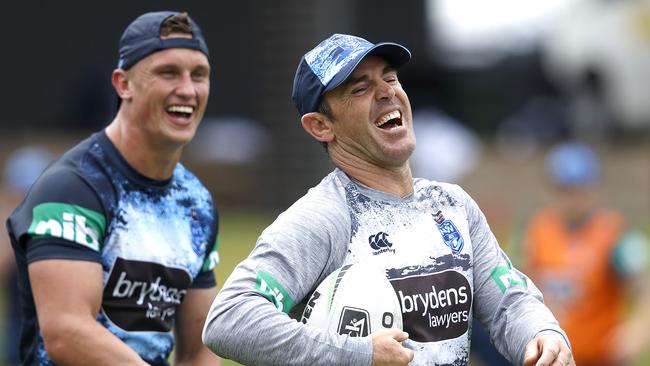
point(331, 55)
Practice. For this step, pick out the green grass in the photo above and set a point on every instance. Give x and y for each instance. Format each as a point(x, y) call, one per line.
point(237, 236)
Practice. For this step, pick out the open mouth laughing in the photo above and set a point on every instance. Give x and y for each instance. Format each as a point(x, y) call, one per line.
point(183, 111)
point(390, 120)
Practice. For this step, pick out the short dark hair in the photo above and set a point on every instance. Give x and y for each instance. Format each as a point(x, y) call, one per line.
point(178, 23)
point(325, 109)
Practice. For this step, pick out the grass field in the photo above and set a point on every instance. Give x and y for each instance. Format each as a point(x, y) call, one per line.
point(238, 234)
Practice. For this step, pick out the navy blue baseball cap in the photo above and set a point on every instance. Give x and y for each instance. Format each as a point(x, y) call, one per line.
point(573, 164)
point(330, 63)
point(142, 38)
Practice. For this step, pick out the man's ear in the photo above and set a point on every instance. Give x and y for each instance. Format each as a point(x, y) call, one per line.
point(120, 81)
point(318, 125)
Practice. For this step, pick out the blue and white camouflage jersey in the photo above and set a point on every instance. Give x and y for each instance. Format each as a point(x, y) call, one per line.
point(153, 239)
point(435, 248)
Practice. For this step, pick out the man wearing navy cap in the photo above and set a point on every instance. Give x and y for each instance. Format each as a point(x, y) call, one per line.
point(115, 243)
point(439, 252)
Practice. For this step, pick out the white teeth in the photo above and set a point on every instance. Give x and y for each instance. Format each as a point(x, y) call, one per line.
point(180, 109)
point(388, 117)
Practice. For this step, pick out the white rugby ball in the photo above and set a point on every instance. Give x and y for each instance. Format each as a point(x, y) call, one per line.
point(356, 299)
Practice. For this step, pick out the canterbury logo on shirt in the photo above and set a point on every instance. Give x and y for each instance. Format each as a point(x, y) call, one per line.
point(70, 222)
point(379, 240)
point(380, 244)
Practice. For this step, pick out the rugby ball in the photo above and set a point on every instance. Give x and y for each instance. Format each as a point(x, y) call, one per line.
point(356, 299)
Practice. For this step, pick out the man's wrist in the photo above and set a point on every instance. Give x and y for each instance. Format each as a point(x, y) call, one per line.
point(555, 333)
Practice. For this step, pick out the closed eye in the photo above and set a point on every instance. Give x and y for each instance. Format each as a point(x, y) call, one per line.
point(200, 73)
point(391, 77)
point(358, 90)
point(167, 72)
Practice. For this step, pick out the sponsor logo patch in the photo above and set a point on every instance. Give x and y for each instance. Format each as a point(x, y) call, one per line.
point(380, 244)
point(137, 288)
point(70, 222)
point(213, 258)
point(435, 306)
point(450, 234)
point(266, 285)
point(354, 322)
point(505, 276)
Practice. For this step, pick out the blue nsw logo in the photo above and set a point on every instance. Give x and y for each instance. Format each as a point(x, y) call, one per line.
point(451, 236)
point(380, 242)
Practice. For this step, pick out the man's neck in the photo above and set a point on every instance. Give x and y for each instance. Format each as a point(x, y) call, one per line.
point(152, 161)
point(397, 181)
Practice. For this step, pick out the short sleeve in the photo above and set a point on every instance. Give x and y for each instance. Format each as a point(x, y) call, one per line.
point(61, 218)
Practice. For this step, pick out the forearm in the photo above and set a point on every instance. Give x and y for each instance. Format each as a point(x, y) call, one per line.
point(190, 317)
point(86, 342)
point(203, 357)
point(253, 332)
point(522, 318)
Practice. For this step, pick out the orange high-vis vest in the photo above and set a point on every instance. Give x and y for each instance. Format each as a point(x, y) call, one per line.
point(573, 269)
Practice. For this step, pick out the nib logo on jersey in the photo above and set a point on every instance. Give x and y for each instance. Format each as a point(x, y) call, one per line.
point(435, 306)
point(70, 222)
point(137, 287)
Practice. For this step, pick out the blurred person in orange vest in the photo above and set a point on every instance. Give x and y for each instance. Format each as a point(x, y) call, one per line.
point(587, 262)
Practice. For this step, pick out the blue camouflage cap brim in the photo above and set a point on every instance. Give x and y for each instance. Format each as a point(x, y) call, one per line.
point(331, 62)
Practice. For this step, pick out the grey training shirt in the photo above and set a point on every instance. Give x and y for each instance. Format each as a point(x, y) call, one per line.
point(438, 253)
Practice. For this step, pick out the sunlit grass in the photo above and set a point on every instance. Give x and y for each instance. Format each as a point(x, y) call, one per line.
point(237, 236)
